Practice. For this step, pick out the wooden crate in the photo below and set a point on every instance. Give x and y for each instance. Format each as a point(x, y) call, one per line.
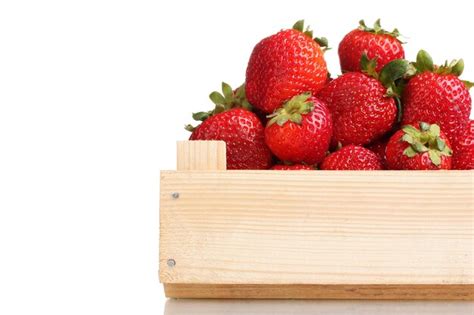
point(313, 234)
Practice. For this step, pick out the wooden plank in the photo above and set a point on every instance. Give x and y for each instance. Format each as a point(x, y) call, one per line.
point(317, 228)
point(333, 292)
point(201, 155)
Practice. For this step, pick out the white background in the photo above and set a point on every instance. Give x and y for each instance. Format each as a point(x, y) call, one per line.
point(93, 96)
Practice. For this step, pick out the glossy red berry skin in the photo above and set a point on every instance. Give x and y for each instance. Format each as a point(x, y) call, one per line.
point(437, 99)
point(244, 136)
point(305, 143)
point(352, 158)
point(360, 109)
point(397, 160)
point(383, 47)
point(282, 66)
point(294, 167)
point(463, 149)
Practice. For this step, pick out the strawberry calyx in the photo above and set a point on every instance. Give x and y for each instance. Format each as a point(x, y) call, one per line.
point(425, 139)
point(424, 63)
point(292, 110)
point(392, 74)
point(468, 84)
point(377, 29)
point(322, 41)
point(224, 101)
point(368, 66)
point(230, 98)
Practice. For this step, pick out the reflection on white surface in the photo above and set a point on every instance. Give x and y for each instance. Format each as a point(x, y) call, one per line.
point(303, 307)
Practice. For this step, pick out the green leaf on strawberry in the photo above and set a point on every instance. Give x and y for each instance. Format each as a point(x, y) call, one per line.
point(322, 41)
point(392, 74)
point(292, 110)
point(426, 139)
point(223, 101)
point(468, 84)
point(377, 29)
point(368, 66)
point(424, 63)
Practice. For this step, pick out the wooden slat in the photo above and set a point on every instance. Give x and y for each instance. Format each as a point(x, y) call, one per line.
point(201, 155)
point(301, 291)
point(317, 228)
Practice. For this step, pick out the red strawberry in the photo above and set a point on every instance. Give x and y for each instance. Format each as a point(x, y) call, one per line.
point(300, 131)
point(352, 158)
point(361, 106)
point(463, 149)
point(437, 96)
point(294, 167)
point(419, 147)
point(244, 136)
point(378, 147)
point(239, 128)
point(284, 65)
point(375, 42)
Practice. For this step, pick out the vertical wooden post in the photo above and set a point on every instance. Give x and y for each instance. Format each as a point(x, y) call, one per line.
point(195, 155)
point(201, 155)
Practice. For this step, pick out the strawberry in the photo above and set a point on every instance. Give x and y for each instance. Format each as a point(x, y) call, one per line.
point(375, 42)
point(437, 96)
point(300, 131)
point(294, 167)
point(463, 148)
point(419, 146)
point(238, 127)
point(284, 65)
point(352, 158)
point(361, 104)
point(244, 136)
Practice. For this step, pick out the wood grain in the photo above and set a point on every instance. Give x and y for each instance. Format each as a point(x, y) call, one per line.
point(361, 228)
point(201, 155)
point(300, 291)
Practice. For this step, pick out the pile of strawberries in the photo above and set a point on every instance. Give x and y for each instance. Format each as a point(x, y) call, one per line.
point(383, 112)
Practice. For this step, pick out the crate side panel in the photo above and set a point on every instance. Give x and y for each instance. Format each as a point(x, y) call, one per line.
point(267, 227)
